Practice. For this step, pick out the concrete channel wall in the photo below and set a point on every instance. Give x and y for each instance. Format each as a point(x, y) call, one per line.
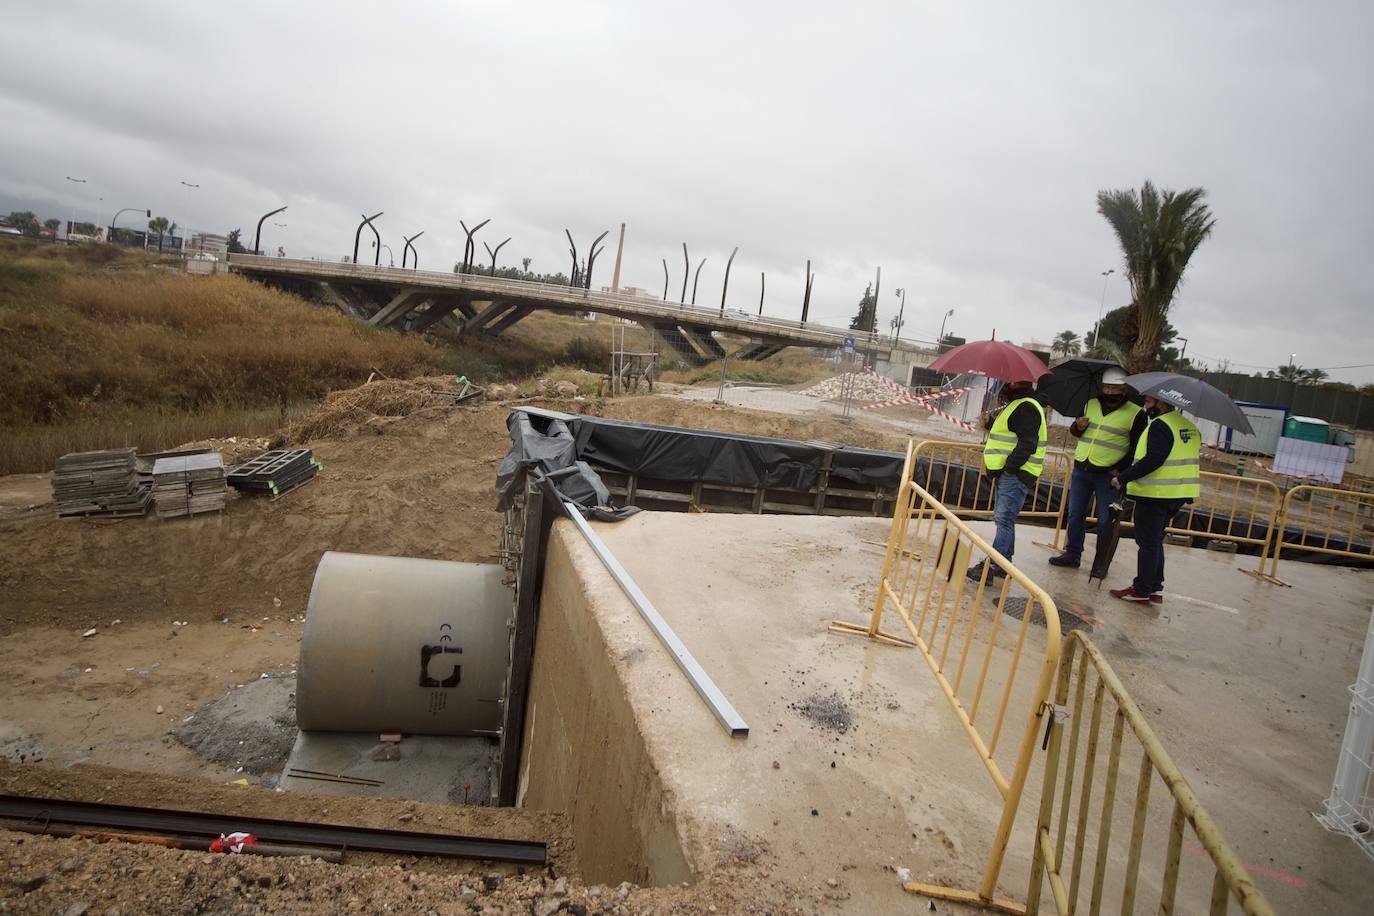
point(583, 751)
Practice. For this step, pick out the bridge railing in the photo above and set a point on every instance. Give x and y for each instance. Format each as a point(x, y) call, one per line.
point(573, 296)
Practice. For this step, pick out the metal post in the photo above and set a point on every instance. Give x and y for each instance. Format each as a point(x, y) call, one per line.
point(900, 312)
point(806, 297)
point(494, 252)
point(720, 392)
point(257, 236)
point(696, 277)
point(686, 266)
point(470, 249)
point(591, 259)
point(357, 236)
point(726, 285)
point(411, 248)
point(665, 279)
point(762, 285)
point(1097, 328)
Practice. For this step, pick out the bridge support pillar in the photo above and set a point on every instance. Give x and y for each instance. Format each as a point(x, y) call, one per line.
point(705, 344)
point(676, 344)
point(438, 310)
point(511, 317)
point(397, 308)
point(487, 315)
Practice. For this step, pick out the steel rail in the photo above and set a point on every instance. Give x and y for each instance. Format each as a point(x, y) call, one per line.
point(734, 723)
point(334, 836)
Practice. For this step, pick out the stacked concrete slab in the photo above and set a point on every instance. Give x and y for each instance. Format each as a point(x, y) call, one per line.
point(101, 483)
point(188, 485)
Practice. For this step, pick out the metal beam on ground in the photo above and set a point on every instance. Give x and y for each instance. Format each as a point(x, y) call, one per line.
point(329, 836)
point(715, 700)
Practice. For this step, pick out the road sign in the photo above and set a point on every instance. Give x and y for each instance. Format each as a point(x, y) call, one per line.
point(849, 343)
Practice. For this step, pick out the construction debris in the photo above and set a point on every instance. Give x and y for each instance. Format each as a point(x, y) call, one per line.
point(275, 473)
point(188, 485)
point(95, 484)
point(866, 387)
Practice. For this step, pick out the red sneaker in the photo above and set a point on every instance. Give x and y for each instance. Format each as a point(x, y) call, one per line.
point(1128, 594)
point(1157, 598)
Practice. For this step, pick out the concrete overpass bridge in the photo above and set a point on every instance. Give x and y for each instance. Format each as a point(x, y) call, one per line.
point(414, 300)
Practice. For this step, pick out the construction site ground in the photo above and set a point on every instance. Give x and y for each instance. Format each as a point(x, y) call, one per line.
point(1245, 681)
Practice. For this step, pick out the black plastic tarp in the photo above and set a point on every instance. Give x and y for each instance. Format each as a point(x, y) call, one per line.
point(564, 450)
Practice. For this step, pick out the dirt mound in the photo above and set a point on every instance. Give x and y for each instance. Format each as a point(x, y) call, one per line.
point(371, 405)
point(251, 728)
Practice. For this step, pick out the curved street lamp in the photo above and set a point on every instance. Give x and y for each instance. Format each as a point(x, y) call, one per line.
point(592, 252)
point(257, 236)
point(696, 275)
point(470, 249)
point(358, 236)
point(494, 252)
point(726, 285)
point(941, 342)
point(148, 213)
point(1097, 328)
point(410, 249)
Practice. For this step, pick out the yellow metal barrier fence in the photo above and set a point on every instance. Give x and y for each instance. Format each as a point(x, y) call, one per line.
point(975, 657)
point(1114, 870)
point(953, 472)
point(1243, 510)
point(1326, 531)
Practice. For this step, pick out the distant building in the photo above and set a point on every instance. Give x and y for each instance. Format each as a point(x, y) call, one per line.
point(207, 242)
point(635, 291)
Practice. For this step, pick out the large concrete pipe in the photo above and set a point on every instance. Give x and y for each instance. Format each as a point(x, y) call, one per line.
point(394, 644)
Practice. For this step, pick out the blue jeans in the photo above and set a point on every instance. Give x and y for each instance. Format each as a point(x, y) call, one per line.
point(1151, 518)
point(1084, 486)
point(1011, 496)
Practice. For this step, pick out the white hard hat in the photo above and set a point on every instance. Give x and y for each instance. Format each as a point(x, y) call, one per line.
point(1114, 376)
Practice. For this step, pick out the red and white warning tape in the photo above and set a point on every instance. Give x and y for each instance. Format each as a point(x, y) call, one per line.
point(922, 402)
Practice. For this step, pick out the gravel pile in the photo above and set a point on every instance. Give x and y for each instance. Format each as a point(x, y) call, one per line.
point(866, 388)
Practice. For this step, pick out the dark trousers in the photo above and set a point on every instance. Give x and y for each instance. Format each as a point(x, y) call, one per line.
point(1151, 518)
point(1083, 488)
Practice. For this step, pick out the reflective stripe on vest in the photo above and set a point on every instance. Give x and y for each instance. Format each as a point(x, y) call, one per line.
point(1105, 442)
point(1180, 476)
point(1001, 441)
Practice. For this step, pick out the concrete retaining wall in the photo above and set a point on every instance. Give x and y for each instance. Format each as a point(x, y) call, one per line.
point(584, 753)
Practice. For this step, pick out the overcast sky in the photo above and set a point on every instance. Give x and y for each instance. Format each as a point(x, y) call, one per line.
point(959, 146)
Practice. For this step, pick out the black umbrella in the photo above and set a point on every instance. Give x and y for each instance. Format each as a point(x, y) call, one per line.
point(1193, 395)
point(1071, 383)
point(1106, 543)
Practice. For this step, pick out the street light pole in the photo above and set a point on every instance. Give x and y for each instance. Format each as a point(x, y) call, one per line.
point(257, 236)
point(897, 325)
point(941, 342)
point(72, 221)
point(1097, 328)
point(115, 218)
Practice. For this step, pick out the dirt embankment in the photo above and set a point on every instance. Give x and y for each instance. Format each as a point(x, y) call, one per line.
point(418, 482)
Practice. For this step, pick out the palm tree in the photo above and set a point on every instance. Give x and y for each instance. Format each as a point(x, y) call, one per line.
point(1067, 343)
point(1158, 232)
point(1314, 376)
point(525, 263)
point(159, 225)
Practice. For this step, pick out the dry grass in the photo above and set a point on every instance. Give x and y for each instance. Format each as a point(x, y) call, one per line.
point(77, 339)
point(372, 404)
point(793, 366)
point(35, 447)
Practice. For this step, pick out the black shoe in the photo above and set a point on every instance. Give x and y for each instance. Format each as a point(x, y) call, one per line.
point(1065, 559)
point(975, 572)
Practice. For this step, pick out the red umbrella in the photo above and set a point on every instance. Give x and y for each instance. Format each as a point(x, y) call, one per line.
point(994, 358)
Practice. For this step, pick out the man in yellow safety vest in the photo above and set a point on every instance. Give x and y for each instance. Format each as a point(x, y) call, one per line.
point(1107, 434)
point(1014, 456)
point(1166, 474)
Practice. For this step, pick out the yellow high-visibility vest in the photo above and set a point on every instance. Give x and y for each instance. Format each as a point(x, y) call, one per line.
point(1180, 476)
point(1107, 438)
point(1001, 441)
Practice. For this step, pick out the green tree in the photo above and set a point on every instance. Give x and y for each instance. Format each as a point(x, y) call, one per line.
point(1118, 331)
point(868, 308)
point(159, 225)
point(525, 264)
point(52, 224)
point(1159, 231)
point(25, 222)
point(235, 246)
point(1066, 343)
